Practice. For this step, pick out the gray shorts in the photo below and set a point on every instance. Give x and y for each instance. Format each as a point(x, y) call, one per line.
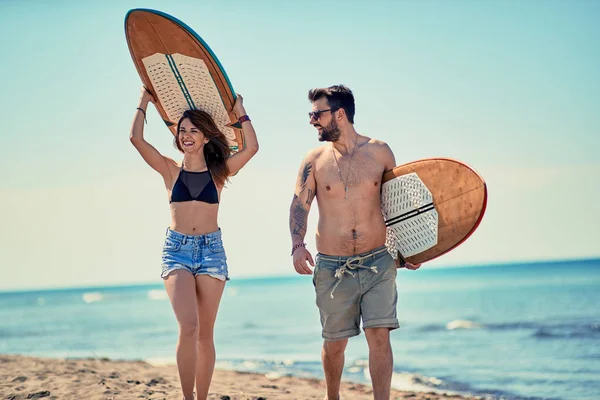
point(351, 287)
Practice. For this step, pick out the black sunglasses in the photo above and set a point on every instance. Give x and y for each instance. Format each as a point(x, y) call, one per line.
point(317, 114)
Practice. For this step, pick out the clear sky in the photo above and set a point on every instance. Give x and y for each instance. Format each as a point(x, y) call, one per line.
point(510, 87)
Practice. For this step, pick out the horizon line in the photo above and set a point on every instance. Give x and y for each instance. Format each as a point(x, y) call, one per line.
point(291, 275)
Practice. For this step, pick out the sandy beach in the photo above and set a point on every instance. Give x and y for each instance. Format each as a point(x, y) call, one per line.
point(24, 377)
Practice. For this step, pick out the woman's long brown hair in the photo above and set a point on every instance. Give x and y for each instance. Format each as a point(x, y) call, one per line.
point(216, 151)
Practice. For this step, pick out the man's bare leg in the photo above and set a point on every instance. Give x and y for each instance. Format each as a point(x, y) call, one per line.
point(332, 356)
point(381, 361)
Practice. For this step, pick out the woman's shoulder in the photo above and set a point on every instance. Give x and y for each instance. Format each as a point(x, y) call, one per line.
point(174, 167)
point(172, 164)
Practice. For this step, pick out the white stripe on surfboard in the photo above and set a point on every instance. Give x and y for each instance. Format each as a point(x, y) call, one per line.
point(407, 207)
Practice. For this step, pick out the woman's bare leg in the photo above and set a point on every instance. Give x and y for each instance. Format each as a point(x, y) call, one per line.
point(181, 288)
point(209, 291)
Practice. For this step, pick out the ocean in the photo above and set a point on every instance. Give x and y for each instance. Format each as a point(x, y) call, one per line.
point(515, 331)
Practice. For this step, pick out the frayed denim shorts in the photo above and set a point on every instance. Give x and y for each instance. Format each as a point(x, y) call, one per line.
point(197, 254)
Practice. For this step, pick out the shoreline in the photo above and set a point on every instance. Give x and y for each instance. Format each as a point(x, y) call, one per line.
point(28, 377)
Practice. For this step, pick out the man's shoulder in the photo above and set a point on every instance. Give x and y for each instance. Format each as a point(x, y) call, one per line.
point(376, 142)
point(316, 152)
point(381, 151)
point(377, 145)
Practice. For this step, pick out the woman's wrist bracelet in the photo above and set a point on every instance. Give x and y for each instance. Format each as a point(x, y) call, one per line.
point(143, 112)
point(243, 118)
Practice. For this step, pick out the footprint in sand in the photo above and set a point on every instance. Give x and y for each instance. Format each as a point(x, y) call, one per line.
point(39, 395)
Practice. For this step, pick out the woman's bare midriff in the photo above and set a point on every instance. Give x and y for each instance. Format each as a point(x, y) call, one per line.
point(194, 217)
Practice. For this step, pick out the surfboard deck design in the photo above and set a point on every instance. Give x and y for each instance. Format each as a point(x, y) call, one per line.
point(181, 71)
point(430, 207)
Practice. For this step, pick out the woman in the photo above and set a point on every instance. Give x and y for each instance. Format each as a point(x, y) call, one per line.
point(194, 267)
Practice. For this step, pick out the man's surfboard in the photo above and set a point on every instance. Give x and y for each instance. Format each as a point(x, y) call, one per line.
point(431, 206)
point(180, 70)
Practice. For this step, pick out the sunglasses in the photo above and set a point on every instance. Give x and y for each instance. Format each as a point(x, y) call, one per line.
point(317, 114)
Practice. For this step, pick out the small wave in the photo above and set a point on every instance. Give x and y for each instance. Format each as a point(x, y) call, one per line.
point(432, 328)
point(463, 324)
point(540, 330)
point(542, 333)
point(361, 363)
point(514, 325)
point(468, 324)
point(275, 375)
point(92, 297)
point(157, 294)
point(582, 332)
point(229, 365)
point(9, 334)
point(417, 383)
point(252, 365)
point(357, 366)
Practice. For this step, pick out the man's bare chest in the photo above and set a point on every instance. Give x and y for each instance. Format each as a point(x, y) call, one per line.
point(361, 171)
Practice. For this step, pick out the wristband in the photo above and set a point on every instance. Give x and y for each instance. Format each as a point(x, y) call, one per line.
point(243, 118)
point(296, 247)
point(143, 112)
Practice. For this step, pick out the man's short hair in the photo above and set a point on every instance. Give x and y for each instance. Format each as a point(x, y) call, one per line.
point(338, 96)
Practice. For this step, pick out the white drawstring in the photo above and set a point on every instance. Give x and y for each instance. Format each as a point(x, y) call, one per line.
point(352, 263)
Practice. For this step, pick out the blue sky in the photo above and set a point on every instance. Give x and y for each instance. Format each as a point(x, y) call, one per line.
point(510, 87)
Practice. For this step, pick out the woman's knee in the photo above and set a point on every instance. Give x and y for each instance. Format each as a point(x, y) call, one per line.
point(188, 329)
point(205, 334)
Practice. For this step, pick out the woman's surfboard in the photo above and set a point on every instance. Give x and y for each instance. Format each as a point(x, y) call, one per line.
point(431, 206)
point(181, 71)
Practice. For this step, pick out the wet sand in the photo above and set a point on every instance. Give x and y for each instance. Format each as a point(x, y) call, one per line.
point(23, 377)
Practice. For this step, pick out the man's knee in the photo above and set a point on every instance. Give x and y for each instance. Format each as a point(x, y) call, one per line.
point(335, 348)
point(378, 336)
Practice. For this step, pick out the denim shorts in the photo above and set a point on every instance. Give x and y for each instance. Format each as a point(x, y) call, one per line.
point(351, 288)
point(197, 254)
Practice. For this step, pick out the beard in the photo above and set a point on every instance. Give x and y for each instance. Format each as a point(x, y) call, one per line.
point(329, 133)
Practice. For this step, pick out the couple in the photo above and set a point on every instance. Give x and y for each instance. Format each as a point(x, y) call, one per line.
point(354, 275)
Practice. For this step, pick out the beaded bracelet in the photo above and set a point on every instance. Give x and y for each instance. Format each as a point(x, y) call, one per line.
point(296, 247)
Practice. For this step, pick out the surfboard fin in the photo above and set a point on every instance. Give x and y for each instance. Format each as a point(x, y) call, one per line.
point(235, 124)
point(401, 259)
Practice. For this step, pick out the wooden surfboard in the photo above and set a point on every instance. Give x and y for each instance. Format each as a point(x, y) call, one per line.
point(431, 206)
point(181, 71)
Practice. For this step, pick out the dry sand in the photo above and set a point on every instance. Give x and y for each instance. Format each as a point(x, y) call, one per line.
point(94, 379)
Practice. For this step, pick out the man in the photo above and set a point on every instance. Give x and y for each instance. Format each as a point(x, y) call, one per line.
point(354, 275)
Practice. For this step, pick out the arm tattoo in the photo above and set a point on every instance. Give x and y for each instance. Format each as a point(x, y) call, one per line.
point(298, 218)
point(299, 214)
point(310, 197)
point(305, 175)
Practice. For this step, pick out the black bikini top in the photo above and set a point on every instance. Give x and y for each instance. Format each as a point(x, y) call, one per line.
point(194, 186)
